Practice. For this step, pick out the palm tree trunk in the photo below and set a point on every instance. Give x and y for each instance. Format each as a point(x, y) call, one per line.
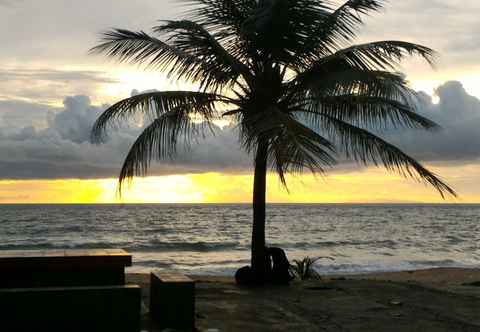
point(259, 261)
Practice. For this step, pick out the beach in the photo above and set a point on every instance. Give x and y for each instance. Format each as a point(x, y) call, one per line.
point(445, 299)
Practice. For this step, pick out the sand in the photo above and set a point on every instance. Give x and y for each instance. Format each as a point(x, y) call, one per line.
point(428, 300)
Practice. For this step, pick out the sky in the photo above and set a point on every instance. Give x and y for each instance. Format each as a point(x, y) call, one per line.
point(52, 90)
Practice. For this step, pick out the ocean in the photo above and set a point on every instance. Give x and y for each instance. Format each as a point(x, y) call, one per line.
point(215, 239)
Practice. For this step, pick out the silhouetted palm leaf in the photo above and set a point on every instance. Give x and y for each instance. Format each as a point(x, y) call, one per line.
point(366, 147)
point(155, 104)
point(159, 141)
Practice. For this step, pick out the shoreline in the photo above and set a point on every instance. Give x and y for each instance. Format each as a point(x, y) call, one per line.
point(326, 271)
point(249, 204)
point(442, 278)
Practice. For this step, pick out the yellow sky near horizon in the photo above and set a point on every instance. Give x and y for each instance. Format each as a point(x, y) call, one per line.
point(367, 186)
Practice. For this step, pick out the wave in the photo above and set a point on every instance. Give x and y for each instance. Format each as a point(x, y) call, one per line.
point(150, 246)
point(156, 245)
point(342, 243)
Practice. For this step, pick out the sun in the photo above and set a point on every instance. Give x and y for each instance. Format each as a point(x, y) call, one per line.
point(165, 189)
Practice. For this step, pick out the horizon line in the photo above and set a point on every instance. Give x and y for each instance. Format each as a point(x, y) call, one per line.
point(246, 203)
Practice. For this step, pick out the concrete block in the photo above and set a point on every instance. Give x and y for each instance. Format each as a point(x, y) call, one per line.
point(172, 301)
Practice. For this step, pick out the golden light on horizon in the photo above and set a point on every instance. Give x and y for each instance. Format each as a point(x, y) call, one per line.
point(367, 186)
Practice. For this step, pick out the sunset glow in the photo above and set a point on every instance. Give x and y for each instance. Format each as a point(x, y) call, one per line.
point(370, 186)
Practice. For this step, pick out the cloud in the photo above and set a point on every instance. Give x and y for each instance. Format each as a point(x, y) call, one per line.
point(448, 26)
point(56, 30)
point(50, 85)
point(16, 114)
point(59, 30)
point(8, 3)
point(61, 148)
point(9, 75)
point(458, 114)
point(75, 121)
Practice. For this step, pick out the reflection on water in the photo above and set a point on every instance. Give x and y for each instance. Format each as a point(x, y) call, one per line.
point(215, 238)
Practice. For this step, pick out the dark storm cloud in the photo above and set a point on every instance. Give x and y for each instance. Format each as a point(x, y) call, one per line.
point(458, 114)
point(62, 149)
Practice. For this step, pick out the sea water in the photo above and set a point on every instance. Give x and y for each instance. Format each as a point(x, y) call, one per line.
point(215, 239)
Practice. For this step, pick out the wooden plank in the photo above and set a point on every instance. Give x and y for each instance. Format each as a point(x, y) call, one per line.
point(53, 253)
point(116, 252)
point(62, 253)
point(172, 277)
point(78, 253)
point(6, 254)
point(20, 259)
point(41, 268)
point(106, 254)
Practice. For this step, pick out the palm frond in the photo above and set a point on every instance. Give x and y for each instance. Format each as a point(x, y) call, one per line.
point(297, 147)
point(369, 111)
point(225, 19)
point(193, 39)
point(159, 141)
point(365, 147)
point(341, 25)
point(227, 16)
point(328, 81)
point(155, 104)
point(143, 49)
point(379, 55)
point(332, 78)
point(292, 146)
point(282, 30)
point(295, 33)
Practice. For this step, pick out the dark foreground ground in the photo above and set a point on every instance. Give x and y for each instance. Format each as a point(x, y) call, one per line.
point(431, 300)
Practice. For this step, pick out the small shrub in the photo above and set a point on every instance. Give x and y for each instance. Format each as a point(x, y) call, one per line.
point(304, 269)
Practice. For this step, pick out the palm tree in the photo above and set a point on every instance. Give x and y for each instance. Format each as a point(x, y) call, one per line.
point(285, 72)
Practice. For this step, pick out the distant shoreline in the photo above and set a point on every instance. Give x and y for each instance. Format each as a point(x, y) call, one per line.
point(245, 204)
point(442, 278)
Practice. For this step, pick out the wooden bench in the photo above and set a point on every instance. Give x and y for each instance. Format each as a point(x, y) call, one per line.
point(172, 301)
point(62, 268)
point(73, 309)
point(67, 290)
